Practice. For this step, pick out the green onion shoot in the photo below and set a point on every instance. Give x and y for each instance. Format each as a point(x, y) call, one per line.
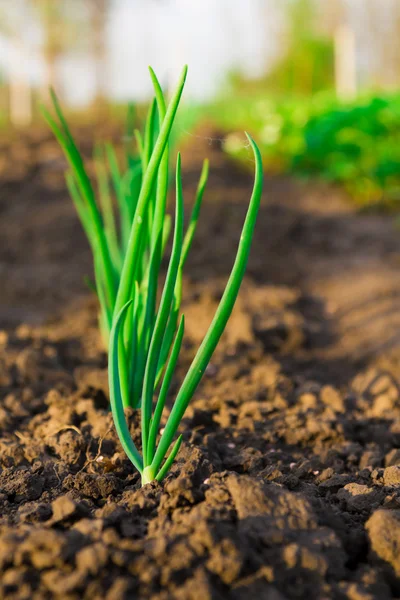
point(128, 227)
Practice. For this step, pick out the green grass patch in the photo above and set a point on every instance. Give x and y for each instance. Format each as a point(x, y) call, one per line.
point(355, 144)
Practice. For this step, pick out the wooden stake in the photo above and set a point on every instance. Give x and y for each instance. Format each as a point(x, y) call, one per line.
point(20, 89)
point(345, 63)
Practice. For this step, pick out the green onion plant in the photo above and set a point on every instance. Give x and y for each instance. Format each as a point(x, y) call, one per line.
point(127, 231)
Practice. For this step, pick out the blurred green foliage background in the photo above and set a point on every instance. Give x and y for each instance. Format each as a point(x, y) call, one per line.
point(305, 128)
point(354, 144)
point(307, 124)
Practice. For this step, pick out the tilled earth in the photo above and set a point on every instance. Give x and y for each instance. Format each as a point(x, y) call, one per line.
point(288, 481)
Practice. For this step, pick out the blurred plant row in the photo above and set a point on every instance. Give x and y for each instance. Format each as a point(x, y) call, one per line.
point(356, 145)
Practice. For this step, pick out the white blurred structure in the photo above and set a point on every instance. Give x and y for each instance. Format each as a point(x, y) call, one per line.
point(345, 62)
point(20, 101)
point(213, 36)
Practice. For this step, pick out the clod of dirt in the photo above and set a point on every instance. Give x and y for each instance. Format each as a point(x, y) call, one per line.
point(64, 508)
point(383, 529)
point(391, 476)
point(92, 559)
point(359, 497)
point(21, 485)
point(392, 458)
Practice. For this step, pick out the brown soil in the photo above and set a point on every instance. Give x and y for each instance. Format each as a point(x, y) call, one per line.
point(288, 482)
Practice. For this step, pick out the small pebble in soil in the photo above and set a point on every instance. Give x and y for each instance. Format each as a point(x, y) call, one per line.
point(211, 370)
